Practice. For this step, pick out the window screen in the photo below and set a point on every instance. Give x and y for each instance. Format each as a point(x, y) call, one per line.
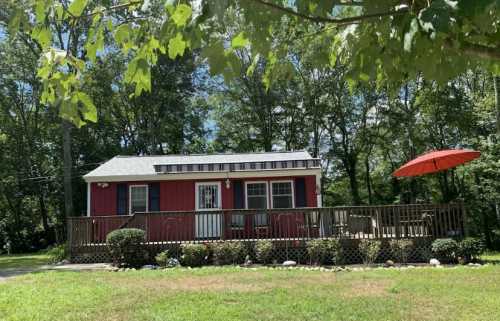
point(257, 199)
point(282, 195)
point(138, 198)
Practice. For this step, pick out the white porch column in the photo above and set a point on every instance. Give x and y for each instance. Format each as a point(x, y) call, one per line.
point(88, 198)
point(319, 199)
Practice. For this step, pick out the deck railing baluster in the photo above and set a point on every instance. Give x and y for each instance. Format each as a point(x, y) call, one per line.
point(372, 222)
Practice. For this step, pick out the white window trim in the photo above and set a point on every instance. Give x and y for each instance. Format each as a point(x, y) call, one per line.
point(257, 182)
point(292, 189)
point(89, 203)
point(130, 196)
point(196, 195)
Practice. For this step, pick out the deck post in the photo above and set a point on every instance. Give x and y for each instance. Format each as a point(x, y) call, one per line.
point(464, 219)
point(69, 233)
point(397, 221)
point(223, 225)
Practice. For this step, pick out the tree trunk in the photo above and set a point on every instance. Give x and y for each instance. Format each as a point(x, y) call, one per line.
point(496, 83)
point(350, 166)
point(43, 214)
point(67, 165)
point(368, 180)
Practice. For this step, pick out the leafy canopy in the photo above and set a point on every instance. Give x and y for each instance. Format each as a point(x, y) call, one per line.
point(378, 39)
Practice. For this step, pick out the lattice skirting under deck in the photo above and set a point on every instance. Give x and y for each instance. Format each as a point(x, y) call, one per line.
point(284, 250)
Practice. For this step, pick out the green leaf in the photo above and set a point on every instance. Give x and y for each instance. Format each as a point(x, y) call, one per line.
point(94, 45)
point(181, 15)
point(68, 110)
point(408, 38)
point(43, 36)
point(176, 46)
point(122, 33)
point(15, 21)
point(216, 57)
point(240, 41)
point(139, 72)
point(89, 110)
point(251, 68)
point(76, 7)
point(40, 11)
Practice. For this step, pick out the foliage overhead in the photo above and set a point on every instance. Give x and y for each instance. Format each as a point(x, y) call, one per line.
point(383, 39)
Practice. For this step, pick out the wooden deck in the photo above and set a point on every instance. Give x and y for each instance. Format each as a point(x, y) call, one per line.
point(360, 222)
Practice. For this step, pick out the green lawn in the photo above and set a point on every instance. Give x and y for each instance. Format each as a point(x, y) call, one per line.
point(211, 293)
point(19, 261)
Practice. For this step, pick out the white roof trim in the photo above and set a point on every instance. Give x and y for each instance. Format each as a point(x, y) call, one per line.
point(203, 175)
point(145, 165)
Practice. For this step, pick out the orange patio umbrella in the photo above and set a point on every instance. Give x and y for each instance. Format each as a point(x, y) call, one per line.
point(436, 161)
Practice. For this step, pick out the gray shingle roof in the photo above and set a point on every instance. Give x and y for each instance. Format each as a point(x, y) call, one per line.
point(144, 165)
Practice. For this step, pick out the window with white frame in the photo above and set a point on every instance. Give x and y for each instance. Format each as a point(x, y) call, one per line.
point(138, 198)
point(256, 193)
point(208, 196)
point(282, 194)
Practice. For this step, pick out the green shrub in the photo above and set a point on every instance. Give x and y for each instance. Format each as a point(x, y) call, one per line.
point(369, 250)
point(228, 252)
point(324, 251)
point(194, 254)
point(162, 258)
point(58, 253)
point(264, 251)
point(401, 249)
point(470, 249)
point(126, 247)
point(445, 249)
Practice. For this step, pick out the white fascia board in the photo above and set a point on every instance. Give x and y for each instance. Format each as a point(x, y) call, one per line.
point(204, 175)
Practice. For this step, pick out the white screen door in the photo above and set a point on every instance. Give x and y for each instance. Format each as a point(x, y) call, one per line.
point(208, 202)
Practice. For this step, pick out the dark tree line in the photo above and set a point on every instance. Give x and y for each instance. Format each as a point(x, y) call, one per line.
point(361, 131)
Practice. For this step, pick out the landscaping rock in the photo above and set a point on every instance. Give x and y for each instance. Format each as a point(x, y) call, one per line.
point(248, 261)
point(389, 263)
point(289, 263)
point(434, 262)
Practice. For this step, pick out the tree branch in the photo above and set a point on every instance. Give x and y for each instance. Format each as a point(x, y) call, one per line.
point(318, 19)
point(481, 51)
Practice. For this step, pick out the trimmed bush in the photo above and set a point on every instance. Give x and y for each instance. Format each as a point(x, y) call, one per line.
point(165, 261)
point(58, 253)
point(445, 249)
point(194, 254)
point(470, 248)
point(162, 259)
point(264, 251)
point(401, 249)
point(228, 252)
point(126, 247)
point(369, 250)
point(324, 251)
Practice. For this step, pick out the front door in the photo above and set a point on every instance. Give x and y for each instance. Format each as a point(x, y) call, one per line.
point(208, 218)
point(208, 225)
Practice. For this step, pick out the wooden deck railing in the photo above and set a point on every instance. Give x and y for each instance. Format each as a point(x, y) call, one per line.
point(374, 222)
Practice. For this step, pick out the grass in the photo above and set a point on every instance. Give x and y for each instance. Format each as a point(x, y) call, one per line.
point(228, 293)
point(491, 257)
point(23, 261)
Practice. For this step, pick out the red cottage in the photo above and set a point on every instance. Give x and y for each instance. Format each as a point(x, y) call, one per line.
point(190, 197)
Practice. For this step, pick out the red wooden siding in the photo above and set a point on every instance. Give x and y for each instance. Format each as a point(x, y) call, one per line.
point(177, 196)
point(312, 200)
point(180, 196)
point(103, 200)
